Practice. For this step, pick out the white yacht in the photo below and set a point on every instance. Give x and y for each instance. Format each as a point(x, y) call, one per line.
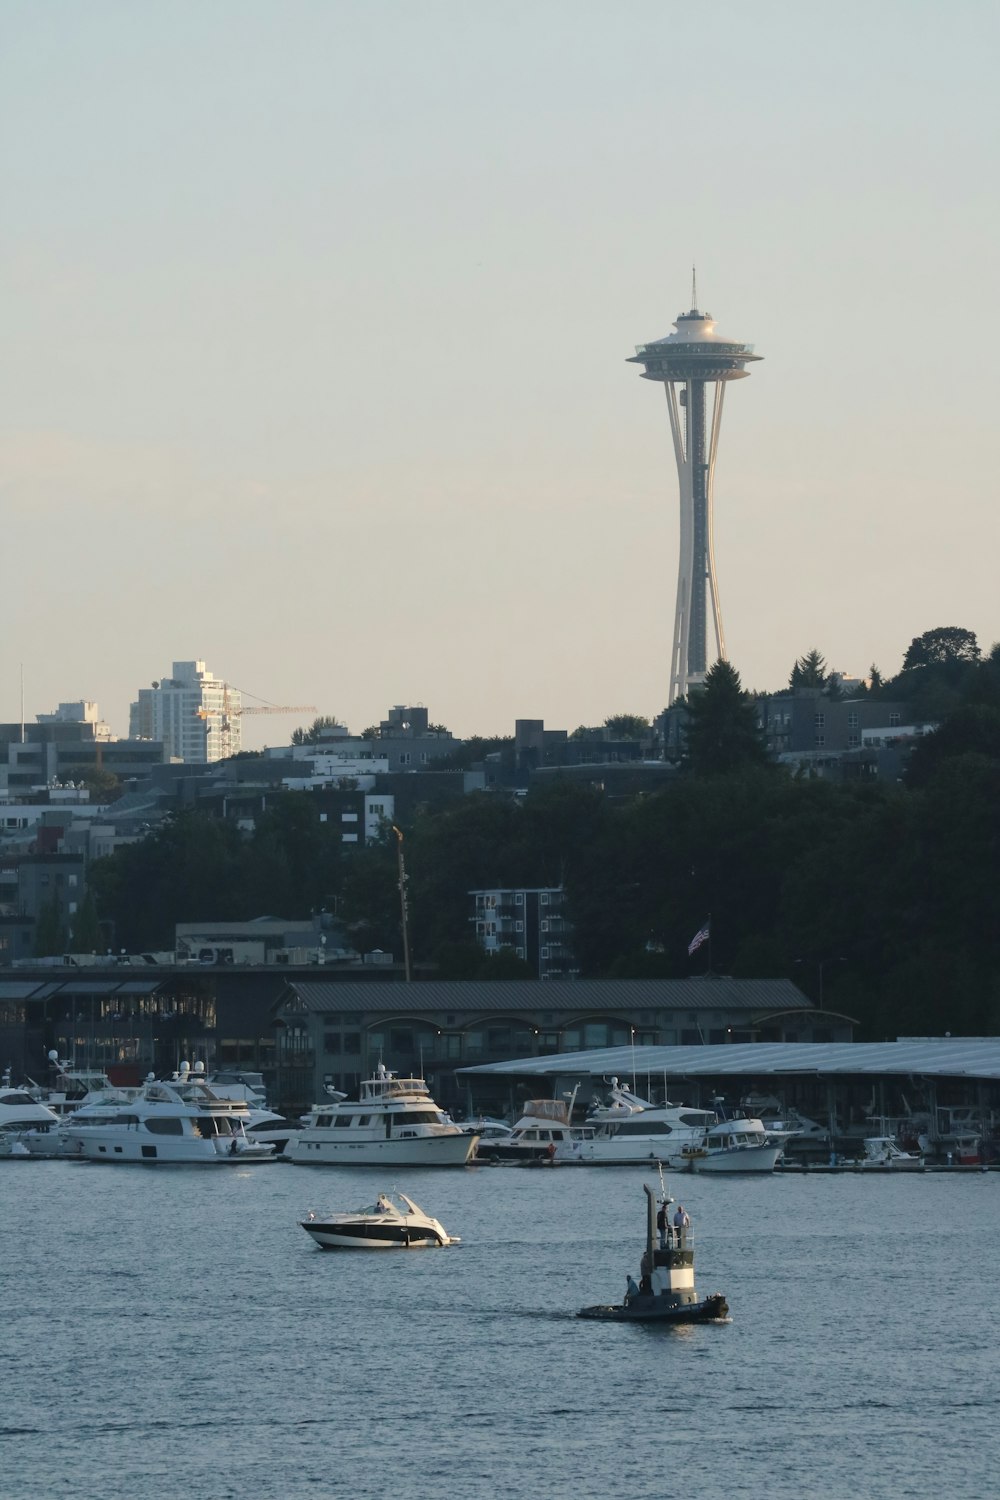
point(21, 1115)
point(73, 1087)
point(630, 1129)
point(392, 1222)
point(734, 1145)
point(227, 1083)
point(544, 1135)
point(882, 1151)
point(395, 1122)
point(169, 1121)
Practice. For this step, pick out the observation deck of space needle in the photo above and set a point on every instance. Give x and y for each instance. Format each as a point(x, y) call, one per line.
point(687, 363)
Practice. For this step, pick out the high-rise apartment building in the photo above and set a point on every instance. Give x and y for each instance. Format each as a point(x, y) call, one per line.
point(194, 713)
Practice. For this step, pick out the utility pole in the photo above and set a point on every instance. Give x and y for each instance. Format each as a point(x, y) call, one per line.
point(402, 901)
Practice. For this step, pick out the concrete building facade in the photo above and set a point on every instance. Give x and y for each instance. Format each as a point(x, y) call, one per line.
point(193, 712)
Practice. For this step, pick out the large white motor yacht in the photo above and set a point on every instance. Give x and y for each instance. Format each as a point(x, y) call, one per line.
point(182, 1123)
point(395, 1122)
point(227, 1083)
point(627, 1128)
point(21, 1115)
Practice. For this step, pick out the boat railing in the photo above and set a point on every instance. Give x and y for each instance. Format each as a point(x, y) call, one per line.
point(675, 1238)
point(393, 1088)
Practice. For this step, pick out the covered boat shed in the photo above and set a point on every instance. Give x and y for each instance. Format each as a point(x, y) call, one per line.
point(840, 1084)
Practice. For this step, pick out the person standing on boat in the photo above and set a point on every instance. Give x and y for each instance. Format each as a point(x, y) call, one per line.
point(681, 1222)
point(631, 1290)
point(662, 1223)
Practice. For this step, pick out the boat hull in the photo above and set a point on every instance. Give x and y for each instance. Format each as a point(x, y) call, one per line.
point(374, 1236)
point(746, 1159)
point(179, 1153)
point(643, 1309)
point(419, 1151)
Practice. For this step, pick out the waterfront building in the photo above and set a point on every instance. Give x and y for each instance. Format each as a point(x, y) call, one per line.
point(334, 1030)
point(690, 363)
point(813, 1069)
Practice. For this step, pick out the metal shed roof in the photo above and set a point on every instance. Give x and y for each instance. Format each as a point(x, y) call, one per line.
point(940, 1057)
point(572, 996)
point(17, 989)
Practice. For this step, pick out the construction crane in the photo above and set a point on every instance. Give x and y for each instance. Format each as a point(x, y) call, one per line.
point(228, 712)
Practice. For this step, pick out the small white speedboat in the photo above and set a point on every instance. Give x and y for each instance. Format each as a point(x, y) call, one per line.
point(392, 1222)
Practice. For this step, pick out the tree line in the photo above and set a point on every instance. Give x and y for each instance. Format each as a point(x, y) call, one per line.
point(881, 895)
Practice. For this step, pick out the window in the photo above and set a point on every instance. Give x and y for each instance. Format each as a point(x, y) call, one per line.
point(352, 1041)
point(519, 899)
point(820, 742)
point(544, 898)
point(820, 721)
point(852, 721)
point(518, 926)
point(894, 721)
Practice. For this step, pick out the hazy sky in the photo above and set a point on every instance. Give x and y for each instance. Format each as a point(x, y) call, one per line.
point(314, 324)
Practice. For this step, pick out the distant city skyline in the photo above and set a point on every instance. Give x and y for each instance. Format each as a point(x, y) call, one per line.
point(314, 323)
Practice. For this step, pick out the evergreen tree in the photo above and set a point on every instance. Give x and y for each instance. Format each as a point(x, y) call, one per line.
point(722, 733)
point(809, 671)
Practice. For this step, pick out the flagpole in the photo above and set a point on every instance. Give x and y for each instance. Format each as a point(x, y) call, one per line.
point(708, 945)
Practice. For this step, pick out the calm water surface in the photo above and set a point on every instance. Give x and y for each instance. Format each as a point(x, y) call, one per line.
point(172, 1332)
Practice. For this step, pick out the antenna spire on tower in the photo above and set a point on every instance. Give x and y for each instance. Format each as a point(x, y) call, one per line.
point(694, 290)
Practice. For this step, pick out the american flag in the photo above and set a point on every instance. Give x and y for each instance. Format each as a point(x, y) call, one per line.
point(701, 936)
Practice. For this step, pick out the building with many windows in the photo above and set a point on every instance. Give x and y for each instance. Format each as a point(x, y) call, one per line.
point(194, 713)
point(531, 923)
point(335, 1030)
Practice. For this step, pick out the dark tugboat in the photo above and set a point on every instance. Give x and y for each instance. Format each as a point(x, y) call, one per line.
point(666, 1282)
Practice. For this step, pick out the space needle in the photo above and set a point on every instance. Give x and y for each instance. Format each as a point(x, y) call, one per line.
point(687, 363)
